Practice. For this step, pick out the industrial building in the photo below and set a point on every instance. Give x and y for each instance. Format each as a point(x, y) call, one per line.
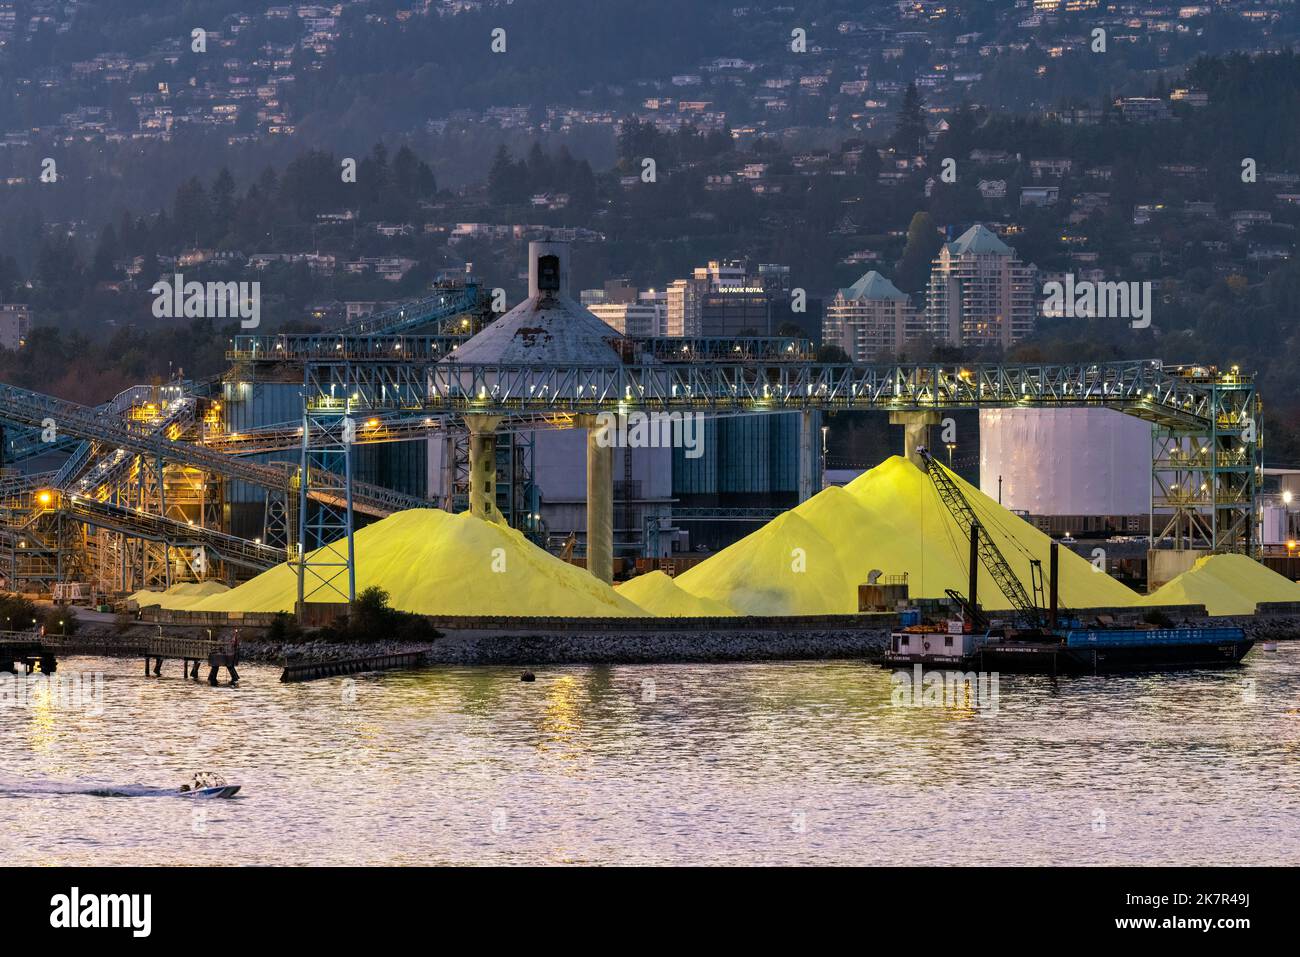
point(1099, 482)
point(15, 321)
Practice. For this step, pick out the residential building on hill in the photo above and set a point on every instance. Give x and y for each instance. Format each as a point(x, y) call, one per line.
point(872, 320)
point(980, 293)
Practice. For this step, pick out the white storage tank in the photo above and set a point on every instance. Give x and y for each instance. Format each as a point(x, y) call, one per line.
point(1066, 461)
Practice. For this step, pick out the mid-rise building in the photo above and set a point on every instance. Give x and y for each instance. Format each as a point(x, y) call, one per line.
point(15, 320)
point(683, 297)
point(727, 299)
point(872, 320)
point(723, 273)
point(736, 312)
point(980, 293)
point(639, 319)
point(633, 312)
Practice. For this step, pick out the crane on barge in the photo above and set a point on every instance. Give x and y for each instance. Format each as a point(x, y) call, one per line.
point(1038, 642)
point(984, 551)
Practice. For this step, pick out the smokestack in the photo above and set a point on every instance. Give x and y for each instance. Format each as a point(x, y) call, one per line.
point(548, 270)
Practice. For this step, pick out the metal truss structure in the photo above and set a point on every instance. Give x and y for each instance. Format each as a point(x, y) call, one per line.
point(138, 500)
point(456, 306)
point(24, 406)
point(1199, 499)
point(324, 557)
point(1205, 478)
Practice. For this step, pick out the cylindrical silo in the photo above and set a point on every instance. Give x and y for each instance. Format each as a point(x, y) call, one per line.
point(1066, 461)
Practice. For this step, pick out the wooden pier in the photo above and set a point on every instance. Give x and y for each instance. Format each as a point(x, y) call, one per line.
point(34, 651)
point(192, 651)
point(28, 650)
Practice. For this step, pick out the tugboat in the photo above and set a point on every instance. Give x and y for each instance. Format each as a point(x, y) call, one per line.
point(1037, 639)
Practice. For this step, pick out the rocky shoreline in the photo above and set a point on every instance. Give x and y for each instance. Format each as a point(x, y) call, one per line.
point(656, 647)
point(495, 647)
point(475, 648)
point(1268, 627)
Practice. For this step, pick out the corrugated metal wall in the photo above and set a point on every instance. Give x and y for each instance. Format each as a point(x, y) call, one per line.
point(698, 476)
point(402, 466)
point(249, 405)
point(743, 455)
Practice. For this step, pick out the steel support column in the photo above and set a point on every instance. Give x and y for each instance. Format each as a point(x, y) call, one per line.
point(600, 497)
point(809, 472)
point(916, 432)
point(325, 554)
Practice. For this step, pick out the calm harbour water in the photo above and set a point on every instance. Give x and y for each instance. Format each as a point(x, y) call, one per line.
point(801, 762)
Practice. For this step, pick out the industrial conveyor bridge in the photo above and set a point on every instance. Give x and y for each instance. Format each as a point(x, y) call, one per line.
point(33, 408)
point(1167, 396)
point(1207, 440)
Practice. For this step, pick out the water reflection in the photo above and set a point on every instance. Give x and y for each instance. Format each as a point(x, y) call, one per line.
point(761, 763)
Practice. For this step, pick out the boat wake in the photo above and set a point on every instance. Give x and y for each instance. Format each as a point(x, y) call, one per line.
point(30, 789)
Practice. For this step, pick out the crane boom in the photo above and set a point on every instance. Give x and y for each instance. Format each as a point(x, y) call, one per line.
point(989, 554)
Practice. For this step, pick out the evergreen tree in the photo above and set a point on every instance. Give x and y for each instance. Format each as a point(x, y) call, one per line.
point(406, 171)
point(506, 180)
point(222, 204)
point(105, 253)
point(540, 170)
point(190, 212)
point(909, 125)
point(923, 243)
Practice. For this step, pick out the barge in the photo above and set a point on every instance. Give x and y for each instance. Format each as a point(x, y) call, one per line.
point(1070, 651)
point(1043, 637)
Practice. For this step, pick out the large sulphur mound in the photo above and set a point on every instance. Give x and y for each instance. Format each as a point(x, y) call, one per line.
point(434, 563)
point(1225, 585)
point(892, 519)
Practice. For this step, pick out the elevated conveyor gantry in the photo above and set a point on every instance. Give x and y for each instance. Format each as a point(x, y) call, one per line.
point(1205, 424)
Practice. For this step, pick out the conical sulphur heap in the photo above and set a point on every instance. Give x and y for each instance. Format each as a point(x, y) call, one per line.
point(787, 567)
point(1225, 585)
point(180, 595)
point(892, 519)
point(434, 563)
point(660, 595)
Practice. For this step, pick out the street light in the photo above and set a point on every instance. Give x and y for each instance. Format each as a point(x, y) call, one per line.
point(951, 446)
